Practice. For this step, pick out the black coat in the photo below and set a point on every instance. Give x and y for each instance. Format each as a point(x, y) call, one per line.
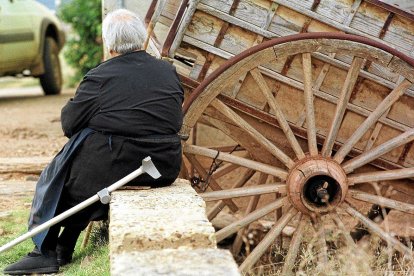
point(133, 102)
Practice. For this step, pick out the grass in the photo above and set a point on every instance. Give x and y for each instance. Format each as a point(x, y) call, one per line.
point(369, 257)
point(93, 260)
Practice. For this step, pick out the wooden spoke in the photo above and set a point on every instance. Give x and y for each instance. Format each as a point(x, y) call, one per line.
point(184, 171)
point(294, 246)
point(310, 113)
point(254, 165)
point(238, 241)
point(321, 242)
point(225, 170)
point(267, 240)
point(373, 227)
point(239, 121)
point(242, 192)
point(382, 201)
point(372, 118)
point(218, 207)
point(346, 92)
point(213, 184)
point(380, 176)
point(227, 148)
point(258, 77)
point(377, 129)
point(378, 151)
point(237, 225)
point(345, 233)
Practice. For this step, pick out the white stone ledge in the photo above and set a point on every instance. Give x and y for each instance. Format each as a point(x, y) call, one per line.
point(174, 262)
point(169, 217)
point(164, 231)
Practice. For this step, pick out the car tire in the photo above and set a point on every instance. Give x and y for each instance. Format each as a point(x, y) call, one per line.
point(51, 80)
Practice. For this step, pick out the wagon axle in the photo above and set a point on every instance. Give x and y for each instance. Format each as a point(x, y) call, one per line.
point(316, 185)
point(320, 190)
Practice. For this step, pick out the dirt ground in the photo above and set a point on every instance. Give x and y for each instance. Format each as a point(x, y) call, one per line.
point(29, 128)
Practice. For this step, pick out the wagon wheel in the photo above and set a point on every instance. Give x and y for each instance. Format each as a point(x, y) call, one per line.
point(316, 161)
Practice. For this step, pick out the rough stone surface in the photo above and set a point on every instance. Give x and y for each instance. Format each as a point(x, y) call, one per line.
point(169, 217)
point(175, 262)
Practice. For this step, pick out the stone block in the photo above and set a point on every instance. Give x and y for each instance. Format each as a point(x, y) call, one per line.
point(175, 262)
point(168, 217)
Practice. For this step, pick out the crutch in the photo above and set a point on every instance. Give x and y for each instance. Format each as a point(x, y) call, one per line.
point(103, 195)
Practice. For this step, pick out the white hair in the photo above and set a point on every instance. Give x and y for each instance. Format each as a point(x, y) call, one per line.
point(123, 31)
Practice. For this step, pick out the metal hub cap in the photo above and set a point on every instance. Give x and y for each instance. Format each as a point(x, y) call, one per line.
point(316, 185)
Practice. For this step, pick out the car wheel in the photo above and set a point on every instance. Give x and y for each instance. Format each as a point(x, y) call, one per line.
point(51, 80)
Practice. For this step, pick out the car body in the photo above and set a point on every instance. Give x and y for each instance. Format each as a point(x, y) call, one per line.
point(31, 37)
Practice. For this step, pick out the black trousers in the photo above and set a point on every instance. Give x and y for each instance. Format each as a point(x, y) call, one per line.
point(66, 239)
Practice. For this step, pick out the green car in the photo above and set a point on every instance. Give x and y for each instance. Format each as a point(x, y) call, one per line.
point(31, 37)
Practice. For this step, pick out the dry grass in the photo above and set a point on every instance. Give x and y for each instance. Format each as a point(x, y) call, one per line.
point(370, 256)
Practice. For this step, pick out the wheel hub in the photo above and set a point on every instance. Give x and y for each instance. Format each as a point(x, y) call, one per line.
point(316, 185)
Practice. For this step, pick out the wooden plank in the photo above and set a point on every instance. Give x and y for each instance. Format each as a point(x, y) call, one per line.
point(286, 22)
point(383, 72)
point(235, 21)
point(204, 27)
point(401, 67)
point(237, 40)
point(334, 10)
point(294, 6)
point(185, 21)
point(400, 34)
point(254, 12)
point(222, 5)
point(306, 3)
point(369, 19)
point(352, 13)
point(33, 165)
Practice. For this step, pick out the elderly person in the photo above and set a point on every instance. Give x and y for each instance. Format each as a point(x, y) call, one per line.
point(125, 109)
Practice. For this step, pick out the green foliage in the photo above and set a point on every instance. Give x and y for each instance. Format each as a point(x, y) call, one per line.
point(84, 46)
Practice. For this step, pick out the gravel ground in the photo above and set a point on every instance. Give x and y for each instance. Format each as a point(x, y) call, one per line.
point(29, 128)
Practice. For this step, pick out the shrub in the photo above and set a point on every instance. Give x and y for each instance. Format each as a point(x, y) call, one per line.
point(84, 45)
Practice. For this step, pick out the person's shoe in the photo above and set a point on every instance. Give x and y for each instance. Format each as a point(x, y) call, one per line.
point(64, 255)
point(34, 263)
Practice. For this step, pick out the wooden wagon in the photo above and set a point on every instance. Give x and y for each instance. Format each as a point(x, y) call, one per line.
point(297, 111)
